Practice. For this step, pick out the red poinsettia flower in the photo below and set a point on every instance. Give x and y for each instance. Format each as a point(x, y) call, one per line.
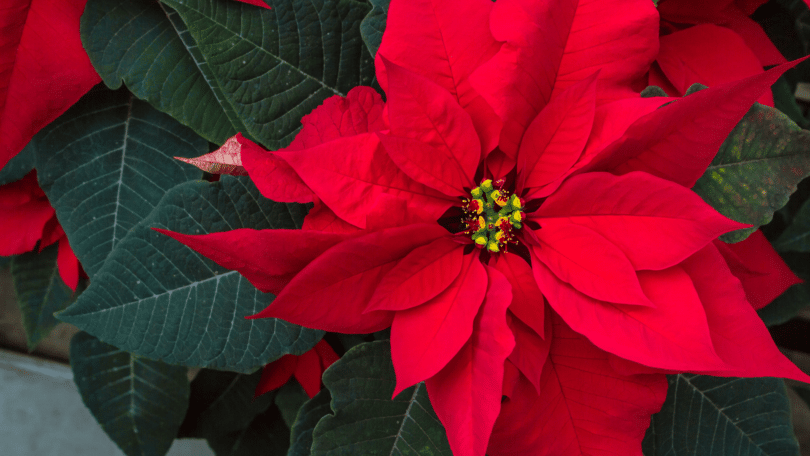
point(306, 368)
point(520, 219)
point(710, 44)
point(29, 220)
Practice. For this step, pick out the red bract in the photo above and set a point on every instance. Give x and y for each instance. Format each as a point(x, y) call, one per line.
point(562, 251)
point(710, 44)
point(43, 67)
point(307, 370)
point(28, 219)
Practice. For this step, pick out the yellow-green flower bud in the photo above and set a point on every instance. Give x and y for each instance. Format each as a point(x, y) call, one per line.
point(476, 192)
point(493, 247)
point(486, 186)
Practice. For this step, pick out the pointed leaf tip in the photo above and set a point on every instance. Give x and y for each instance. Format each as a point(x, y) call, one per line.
point(225, 160)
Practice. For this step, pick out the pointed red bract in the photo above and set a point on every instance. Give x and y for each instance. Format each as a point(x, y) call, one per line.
point(427, 37)
point(269, 259)
point(678, 141)
point(363, 262)
point(709, 55)
point(225, 160)
point(260, 3)
point(307, 369)
point(43, 68)
point(584, 407)
point(528, 302)
point(531, 349)
point(68, 264)
point(555, 139)
point(654, 222)
point(590, 263)
point(763, 273)
point(425, 338)
point(26, 212)
point(419, 277)
point(738, 334)
point(673, 335)
point(273, 176)
point(466, 394)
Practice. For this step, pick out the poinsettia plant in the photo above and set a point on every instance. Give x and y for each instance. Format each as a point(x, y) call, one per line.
point(522, 227)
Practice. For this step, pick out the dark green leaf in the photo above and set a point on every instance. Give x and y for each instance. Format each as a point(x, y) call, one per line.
point(796, 236)
point(18, 166)
point(222, 403)
point(652, 91)
point(157, 298)
point(373, 25)
point(106, 163)
point(40, 292)
point(756, 169)
point(308, 416)
point(366, 420)
point(785, 101)
point(162, 66)
point(6, 262)
point(796, 298)
point(266, 436)
point(138, 402)
point(714, 416)
point(289, 398)
point(275, 66)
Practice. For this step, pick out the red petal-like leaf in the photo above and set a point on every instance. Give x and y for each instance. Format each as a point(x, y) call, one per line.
point(332, 292)
point(444, 41)
point(590, 263)
point(583, 407)
point(321, 218)
point(527, 301)
point(326, 354)
point(419, 277)
point(531, 349)
point(425, 338)
point(347, 174)
point(269, 259)
point(709, 55)
point(274, 178)
point(693, 11)
point(308, 372)
point(466, 394)
point(43, 68)
point(754, 37)
point(679, 140)
point(556, 137)
point(763, 273)
point(225, 160)
point(276, 374)
point(26, 212)
point(260, 3)
point(738, 334)
point(673, 335)
point(656, 223)
point(68, 264)
point(422, 110)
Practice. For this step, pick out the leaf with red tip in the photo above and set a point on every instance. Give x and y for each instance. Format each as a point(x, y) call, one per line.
point(347, 174)
point(425, 338)
point(673, 335)
point(345, 277)
point(738, 334)
point(590, 263)
point(428, 37)
point(260, 3)
point(654, 222)
point(527, 300)
point(422, 110)
point(555, 139)
point(225, 160)
point(276, 374)
point(762, 272)
point(43, 68)
point(419, 277)
point(583, 407)
point(466, 394)
point(709, 55)
point(679, 140)
point(269, 259)
point(68, 264)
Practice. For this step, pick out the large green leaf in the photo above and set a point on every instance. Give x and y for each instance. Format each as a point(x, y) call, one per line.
point(222, 403)
point(308, 416)
point(289, 399)
point(756, 169)
point(366, 420)
point(266, 436)
point(796, 236)
point(162, 66)
point(373, 25)
point(18, 166)
point(40, 292)
point(138, 402)
point(106, 163)
point(157, 298)
point(275, 66)
point(714, 416)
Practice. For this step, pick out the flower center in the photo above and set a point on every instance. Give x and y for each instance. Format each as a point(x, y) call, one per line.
point(492, 216)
